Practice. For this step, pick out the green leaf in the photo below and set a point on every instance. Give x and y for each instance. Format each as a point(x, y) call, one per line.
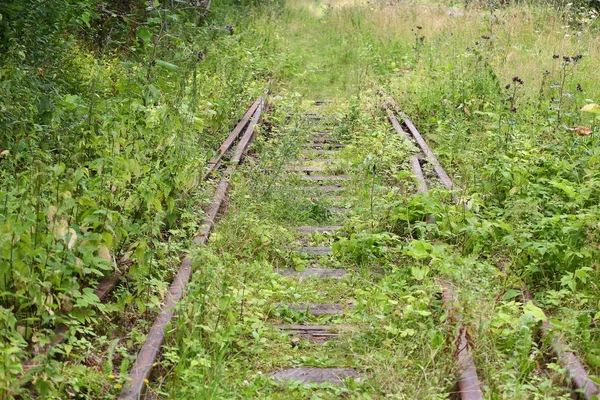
point(591, 108)
point(144, 34)
point(569, 190)
point(72, 100)
point(419, 249)
point(569, 281)
point(534, 311)
point(83, 19)
point(127, 64)
point(436, 339)
point(419, 273)
point(511, 294)
point(167, 65)
point(593, 360)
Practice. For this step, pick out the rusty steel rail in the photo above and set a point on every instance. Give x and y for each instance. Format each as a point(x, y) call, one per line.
point(578, 376)
point(415, 136)
point(414, 163)
point(414, 160)
point(469, 384)
point(439, 170)
point(215, 161)
point(148, 353)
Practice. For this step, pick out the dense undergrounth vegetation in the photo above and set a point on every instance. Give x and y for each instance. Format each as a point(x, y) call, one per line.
point(109, 111)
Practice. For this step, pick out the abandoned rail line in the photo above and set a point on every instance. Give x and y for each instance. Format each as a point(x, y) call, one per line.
point(315, 169)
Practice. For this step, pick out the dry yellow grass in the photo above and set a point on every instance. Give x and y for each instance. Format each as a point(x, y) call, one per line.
point(522, 43)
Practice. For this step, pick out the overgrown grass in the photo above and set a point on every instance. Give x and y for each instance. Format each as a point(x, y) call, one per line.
point(500, 109)
point(101, 156)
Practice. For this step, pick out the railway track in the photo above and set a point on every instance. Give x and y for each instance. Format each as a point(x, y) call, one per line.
point(325, 322)
point(469, 385)
point(321, 178)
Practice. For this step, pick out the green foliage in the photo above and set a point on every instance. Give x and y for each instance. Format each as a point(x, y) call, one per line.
point(106, 125)
point(110, 109)
point(362, 247)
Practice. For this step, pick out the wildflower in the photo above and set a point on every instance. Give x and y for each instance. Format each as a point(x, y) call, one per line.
point(146, 381)
point(516, 79)
point(230, 29)
point(567, 59)
point(200, 55)
point(111, 376)
point(485, 37)
point(555, 56)
point(579, 88)
point(577, 57)
point(507, 86)
point(513, 109)
point(419, 27)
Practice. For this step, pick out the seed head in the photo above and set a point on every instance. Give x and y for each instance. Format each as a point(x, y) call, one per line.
point(579, 88)
point(507, 86)
point(485, 37)
point(555, 56)
point(513, 109)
